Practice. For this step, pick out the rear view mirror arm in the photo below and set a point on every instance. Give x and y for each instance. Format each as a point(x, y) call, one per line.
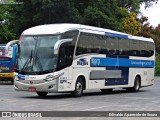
point(11, 43)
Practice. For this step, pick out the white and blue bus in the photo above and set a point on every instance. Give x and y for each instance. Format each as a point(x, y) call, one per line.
point(74, 57)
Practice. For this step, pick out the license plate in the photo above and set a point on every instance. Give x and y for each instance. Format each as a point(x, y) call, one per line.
point(32, 89)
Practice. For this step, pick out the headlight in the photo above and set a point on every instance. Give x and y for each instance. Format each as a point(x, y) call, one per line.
point(16, 78)
point(51, 77)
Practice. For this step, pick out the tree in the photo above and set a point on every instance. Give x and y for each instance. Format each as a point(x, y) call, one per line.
point(134, 5)
point(36, 12)
point(150, 32)
point(6, 31)
point(130, 25)
point(102, 13)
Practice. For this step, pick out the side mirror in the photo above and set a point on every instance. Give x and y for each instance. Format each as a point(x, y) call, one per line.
point(8, 45)
point(58, 44)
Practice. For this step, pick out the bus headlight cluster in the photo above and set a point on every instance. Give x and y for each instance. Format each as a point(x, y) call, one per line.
point(16, 78)
point(51, 77)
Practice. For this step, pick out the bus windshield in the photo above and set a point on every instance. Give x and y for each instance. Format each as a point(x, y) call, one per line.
point(35, 54)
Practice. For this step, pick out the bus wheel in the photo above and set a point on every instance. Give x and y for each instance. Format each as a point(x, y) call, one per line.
point(12, 81)
point(42, 94)
point(136, 86)
point(107, 90)
point(78, 88)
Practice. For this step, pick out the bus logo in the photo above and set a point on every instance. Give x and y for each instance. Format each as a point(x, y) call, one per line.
point(82, 62)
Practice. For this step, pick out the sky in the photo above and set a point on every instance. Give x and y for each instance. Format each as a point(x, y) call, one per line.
point(153, 14)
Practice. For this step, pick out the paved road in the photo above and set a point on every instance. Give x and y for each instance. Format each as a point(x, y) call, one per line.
point(148, 99)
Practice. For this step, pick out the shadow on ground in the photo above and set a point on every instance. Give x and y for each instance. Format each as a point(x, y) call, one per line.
point(85, 94)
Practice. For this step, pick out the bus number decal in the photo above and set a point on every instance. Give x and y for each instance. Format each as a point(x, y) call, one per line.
point(95, 62)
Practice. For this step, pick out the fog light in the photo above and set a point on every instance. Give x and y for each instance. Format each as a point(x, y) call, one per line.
point(50, 86)
point(16, 78)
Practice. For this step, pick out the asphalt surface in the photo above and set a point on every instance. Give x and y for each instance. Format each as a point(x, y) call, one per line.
point(148, 99)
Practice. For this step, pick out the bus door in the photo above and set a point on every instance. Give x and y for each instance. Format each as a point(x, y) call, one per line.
point(65, 60)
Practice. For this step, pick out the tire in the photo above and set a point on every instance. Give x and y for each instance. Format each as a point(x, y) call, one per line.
point(42, 94)
point(12, 81)
point(136, 86)
point(78, 92)
point(107, 90)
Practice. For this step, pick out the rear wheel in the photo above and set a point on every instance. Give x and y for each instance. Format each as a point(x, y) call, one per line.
point(136, 87)
point(42, 94)
point(78, 88)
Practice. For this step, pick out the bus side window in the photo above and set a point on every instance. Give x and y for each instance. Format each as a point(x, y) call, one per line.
point(134, 48)
point(99, 45)
point(144, 49)
point(85, 44)
point(112, 46)
point(150, 49)
point(65, 57)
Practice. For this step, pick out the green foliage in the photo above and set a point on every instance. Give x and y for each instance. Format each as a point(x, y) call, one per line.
point(37, 12)
point(102, 14)
point(157, 64)
point(6, 31)
point(134, 5)
point(130, 25)
point(131, 5)
point(96, 13)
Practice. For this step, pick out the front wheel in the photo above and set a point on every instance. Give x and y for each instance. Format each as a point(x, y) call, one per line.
point(42, 94)
point(78, 88)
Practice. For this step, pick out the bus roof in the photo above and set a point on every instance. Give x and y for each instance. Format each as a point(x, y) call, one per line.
point(51, 29)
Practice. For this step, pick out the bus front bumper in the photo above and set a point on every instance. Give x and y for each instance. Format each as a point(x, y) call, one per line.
point(7, 75)
point(48, 86)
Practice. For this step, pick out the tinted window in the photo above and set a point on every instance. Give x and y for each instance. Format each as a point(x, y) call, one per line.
point(85, 44)
point(124, 46)
point(150, 49)
point(65, 56)
point(143, 49)
point(134, 48)
point(100, 44)
point(112, 45)
point(71, 35)
point(94, 43)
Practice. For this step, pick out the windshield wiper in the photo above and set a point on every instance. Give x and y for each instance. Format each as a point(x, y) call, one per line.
point(39, 63)
point(29, 60)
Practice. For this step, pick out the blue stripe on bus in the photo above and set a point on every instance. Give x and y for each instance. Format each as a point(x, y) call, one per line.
point(116, 35)
point(121, 62)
